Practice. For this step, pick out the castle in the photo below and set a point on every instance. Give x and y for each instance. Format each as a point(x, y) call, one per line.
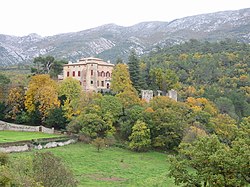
point(93, 74)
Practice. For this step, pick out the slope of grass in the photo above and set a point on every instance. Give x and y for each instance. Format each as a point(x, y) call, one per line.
point(13, 136)
point(113, 166)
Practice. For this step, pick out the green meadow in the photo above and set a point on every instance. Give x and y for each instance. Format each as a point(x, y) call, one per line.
point(113, 166)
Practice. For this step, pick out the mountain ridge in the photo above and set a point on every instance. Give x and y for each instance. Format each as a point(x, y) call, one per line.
point(111, 41)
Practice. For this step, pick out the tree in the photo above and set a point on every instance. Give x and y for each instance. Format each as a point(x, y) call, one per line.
point(226, 106)
point(41, 95)
point(119, 61)
point(128, 98)
point(208, 162)
point(4, 82)
point(57, 68)
point(134, 70)
point(56, 119)
point(98, 143)
point(70, 88)
point(15, 102)
point(93, 125)
point(224, 127)
point(69, 93)
point(47, 65)
point(128, 120)
point(167, 120)
point(140, 137)
point(165, 80)
point(120, 78)
point(202, 104)
point(110, 105)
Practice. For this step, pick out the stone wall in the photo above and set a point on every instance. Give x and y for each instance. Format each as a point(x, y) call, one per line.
point(15, 127)
point(11, 149)
point(172, 94)
point(29, 146)
point(147, 94)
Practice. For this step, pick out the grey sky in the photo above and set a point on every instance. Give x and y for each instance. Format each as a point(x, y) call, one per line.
point(49, 17)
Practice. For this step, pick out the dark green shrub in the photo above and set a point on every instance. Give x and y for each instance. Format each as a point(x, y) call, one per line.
point(4, 158)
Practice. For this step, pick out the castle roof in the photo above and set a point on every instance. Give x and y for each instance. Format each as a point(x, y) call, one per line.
point(90, 60)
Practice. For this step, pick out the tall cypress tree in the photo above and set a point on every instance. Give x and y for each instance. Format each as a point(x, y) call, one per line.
point(134, 70)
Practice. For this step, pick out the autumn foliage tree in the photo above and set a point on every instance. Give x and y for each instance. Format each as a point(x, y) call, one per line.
point(70, 93)
point(120, 78)
point(41, 95)
point(15, 102)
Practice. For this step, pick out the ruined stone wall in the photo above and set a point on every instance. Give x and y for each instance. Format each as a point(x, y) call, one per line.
point(28, 147)
point(147, 94)
point(15, 127)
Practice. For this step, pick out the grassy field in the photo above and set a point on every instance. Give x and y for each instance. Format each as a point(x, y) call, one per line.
point(113, 166)
point(13, 136)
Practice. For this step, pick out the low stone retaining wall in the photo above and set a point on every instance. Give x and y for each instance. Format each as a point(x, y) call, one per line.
point(30, 145)
point(15, 127)
point(12, 149)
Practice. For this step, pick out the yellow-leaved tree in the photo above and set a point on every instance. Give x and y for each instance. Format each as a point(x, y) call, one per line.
point(202, 104)
point(41, 95)
point(120, 79)
point(70, 91)
point(15, 101)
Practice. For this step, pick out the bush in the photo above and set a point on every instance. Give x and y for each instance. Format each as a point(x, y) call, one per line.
point(23, 118)
point(50, 171)
point(84, 138)
point(2, 111)
point(5, 176)
point(98, 143)
point(74, 126)
point(109, 140)
point(4, 158)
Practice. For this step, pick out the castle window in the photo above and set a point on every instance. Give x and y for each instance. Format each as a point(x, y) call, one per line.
point(108, 86)
point(102, 83)
point(91, 82)
point(73, 73)
point(102, 74)
point(107, 74)
point(67, 73)
point(79, 73)
point(92, 72)
point(97, 83)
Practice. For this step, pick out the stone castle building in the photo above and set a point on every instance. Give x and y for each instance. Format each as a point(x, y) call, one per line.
point(93, 74)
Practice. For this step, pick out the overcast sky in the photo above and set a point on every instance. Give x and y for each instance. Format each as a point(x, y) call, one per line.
point(50, 17)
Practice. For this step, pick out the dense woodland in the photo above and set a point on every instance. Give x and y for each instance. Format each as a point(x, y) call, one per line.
point(208, 128)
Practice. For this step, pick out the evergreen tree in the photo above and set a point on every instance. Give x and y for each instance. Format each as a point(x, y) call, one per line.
point(119, 61)
point(134, 70)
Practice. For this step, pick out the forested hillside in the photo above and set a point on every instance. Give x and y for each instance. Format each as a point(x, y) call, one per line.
point(217, 71)
point(209, 125)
